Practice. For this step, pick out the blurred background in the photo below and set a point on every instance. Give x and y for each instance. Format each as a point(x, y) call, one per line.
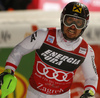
point(20, 18)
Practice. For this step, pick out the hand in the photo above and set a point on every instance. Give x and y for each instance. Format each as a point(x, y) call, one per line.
point(88, 94)
point(7, 71)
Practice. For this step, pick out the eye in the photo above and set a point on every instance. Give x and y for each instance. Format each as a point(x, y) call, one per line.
point(69, 20)
point(79, 22)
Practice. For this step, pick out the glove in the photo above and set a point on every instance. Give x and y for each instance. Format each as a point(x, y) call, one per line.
point(88, 94)
point(9, 85)
point(7, 71)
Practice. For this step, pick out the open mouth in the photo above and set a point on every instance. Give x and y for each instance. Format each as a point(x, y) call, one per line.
point(71, 31)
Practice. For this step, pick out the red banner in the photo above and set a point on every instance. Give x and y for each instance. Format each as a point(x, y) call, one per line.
point(93, 5)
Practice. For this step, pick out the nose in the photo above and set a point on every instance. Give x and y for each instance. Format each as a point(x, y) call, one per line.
point(73, 26)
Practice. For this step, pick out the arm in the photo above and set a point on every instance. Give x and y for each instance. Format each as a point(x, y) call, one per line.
point(28, 45)
point(89, 71)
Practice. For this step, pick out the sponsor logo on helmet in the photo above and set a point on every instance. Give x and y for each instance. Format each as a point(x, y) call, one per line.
point(77, 8)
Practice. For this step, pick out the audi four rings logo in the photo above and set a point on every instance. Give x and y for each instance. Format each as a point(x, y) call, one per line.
point(51, 73)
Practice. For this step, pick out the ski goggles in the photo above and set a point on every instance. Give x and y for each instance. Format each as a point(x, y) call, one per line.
point(70, 20)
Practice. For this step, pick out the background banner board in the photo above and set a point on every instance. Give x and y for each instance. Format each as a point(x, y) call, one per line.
point(93, 5)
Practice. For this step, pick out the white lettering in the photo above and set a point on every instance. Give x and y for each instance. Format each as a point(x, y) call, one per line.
point(48, 58)
point(70, 60)
point(53, 54)
point(64, 58)
point(59, 62)
point(48, 90)
point(53, 60)
point(77, 62)
point(58, 59)
point(46, 52)
point(59, 56)
point(74, 61)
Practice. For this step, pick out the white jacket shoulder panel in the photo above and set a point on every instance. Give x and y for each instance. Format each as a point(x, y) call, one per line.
point(28, 45)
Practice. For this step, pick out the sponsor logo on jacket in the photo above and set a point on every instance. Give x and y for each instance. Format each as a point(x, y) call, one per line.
point(58, 58)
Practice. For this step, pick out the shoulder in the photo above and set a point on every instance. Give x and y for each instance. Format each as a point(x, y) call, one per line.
point(86, 47)
point(84, 41)
point(90, 52)
point(42, 31)
point(90, 49)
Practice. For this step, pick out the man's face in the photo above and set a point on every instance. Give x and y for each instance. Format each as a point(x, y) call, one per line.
point(73, 26)
point(71, 32)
